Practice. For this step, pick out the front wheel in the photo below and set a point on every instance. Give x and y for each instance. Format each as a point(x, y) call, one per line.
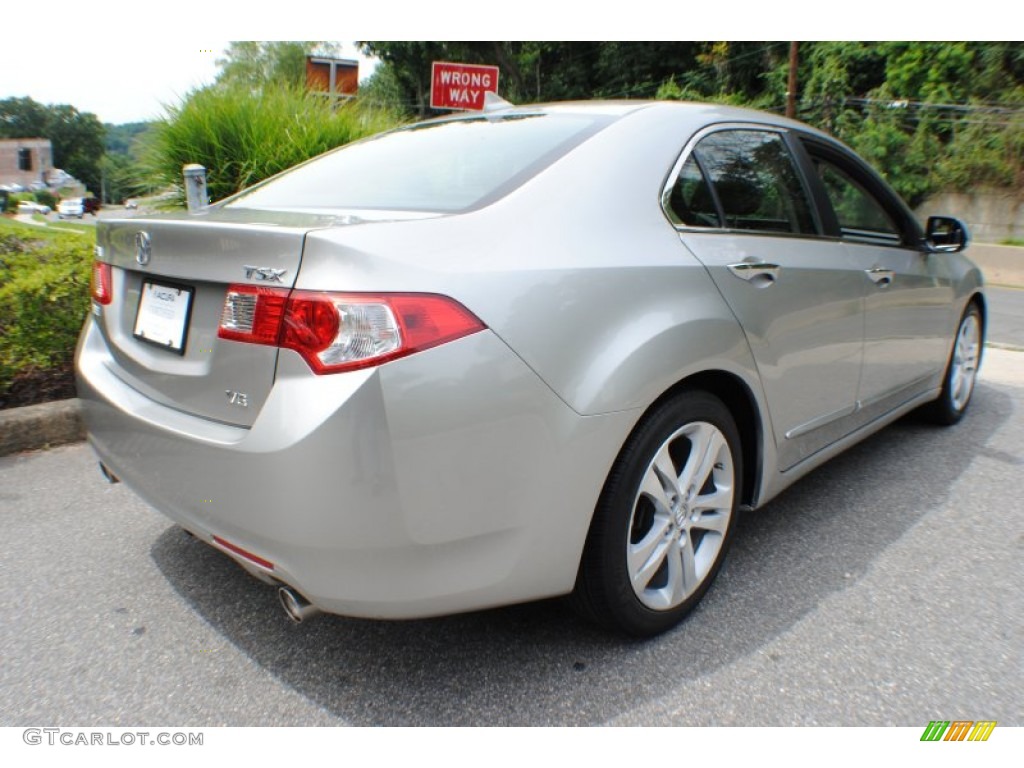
point(962, 372)
point(663, 523)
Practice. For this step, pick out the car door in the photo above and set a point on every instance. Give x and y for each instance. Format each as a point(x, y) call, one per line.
point(742, 209)
point(909, 292)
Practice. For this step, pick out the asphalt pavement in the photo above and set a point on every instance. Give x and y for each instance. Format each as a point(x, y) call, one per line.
point(883, 589)
point(1006, 316)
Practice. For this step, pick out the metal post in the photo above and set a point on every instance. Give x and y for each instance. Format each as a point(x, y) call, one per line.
point(195, 187)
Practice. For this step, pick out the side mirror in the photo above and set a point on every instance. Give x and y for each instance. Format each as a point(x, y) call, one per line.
point(946, 234)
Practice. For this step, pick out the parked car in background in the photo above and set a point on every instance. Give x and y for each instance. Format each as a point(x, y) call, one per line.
point(72, 207)
point(27, 206)
point(91, 205)
point(538, 351)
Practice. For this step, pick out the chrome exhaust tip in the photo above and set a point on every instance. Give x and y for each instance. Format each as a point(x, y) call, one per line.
point(296, 606)
point(108, 475)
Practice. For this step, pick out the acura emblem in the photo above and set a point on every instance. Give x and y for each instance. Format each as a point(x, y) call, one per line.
point(143, 248)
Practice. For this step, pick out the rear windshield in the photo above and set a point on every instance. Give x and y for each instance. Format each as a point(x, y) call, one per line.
point(446, 167)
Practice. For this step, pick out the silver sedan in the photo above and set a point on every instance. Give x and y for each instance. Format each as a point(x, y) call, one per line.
point(531, 352)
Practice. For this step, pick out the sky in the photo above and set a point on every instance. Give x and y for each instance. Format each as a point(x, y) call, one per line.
point(125, 61)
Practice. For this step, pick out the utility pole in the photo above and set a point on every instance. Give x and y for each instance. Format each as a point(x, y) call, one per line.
point(791, 87)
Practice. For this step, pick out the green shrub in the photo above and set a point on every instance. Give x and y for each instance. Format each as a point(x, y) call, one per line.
point(17, 197)
point(243, 135)
point(44, 296)
point(46, 197)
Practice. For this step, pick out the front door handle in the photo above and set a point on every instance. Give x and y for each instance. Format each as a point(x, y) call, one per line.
point(758, 272)
point(880, 276)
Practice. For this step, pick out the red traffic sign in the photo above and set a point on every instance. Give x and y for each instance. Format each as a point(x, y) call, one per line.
point(461, 86)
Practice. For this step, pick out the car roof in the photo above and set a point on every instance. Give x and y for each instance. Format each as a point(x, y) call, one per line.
point(691, 112)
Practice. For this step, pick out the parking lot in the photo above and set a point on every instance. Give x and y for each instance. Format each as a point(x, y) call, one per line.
point(883, 589)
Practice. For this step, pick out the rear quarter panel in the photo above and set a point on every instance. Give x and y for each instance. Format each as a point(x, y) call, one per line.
point(578, 270)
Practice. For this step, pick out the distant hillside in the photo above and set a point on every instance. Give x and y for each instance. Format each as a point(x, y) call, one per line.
point(119, 138)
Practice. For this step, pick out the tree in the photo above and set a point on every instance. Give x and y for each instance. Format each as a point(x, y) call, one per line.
point(555, 71)
point(256, 63)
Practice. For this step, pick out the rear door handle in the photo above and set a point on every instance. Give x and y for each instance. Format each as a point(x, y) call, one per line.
point(759, 272)
point(880, 276)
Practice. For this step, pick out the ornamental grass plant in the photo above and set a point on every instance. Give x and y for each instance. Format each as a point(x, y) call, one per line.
point(243, 135)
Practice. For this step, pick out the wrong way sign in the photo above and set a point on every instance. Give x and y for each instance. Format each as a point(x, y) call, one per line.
point(461, 86)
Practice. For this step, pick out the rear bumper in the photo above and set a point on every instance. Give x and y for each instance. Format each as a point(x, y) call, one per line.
point(447, 481)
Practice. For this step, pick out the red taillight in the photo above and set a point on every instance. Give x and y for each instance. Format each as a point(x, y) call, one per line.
point(337, 332)
point(310, 323)
point(101, 283)
point(253, 314)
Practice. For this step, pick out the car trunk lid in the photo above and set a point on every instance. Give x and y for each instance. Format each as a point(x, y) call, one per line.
point(170, 276)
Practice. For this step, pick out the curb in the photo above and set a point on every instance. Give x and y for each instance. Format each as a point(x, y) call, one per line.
point(40, 426)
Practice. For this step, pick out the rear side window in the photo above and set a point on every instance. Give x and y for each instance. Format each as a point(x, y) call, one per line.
point(691, 199)
point(446, 167)
point(752, 181)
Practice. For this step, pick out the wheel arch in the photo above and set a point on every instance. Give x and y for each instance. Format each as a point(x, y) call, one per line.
point(978, 298)
point(598, 593)
point(739, 399)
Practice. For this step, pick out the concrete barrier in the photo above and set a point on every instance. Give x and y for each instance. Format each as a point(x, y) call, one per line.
point(1001, 264)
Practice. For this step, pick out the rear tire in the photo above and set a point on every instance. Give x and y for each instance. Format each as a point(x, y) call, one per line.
point(664, 519)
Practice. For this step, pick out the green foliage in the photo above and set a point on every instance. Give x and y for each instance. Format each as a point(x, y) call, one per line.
point(120, 139)
point(930, 115)
point(533, 71)
point(244, 135)
point(382, 89)
point(44, 296)
point(928, 71)
point(77, 137)
point(672, 91)
point(46, 197)
point(124, 174)
point(13, 200)
point(985, 152)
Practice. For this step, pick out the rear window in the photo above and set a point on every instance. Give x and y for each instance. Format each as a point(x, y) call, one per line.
point(445, 167)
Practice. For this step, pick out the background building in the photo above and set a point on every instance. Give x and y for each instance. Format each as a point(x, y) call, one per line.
point(23, 161)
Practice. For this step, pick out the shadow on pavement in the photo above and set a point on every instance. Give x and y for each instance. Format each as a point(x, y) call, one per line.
point(538, 663)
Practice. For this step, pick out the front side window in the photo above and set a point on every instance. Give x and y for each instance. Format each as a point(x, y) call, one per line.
point(755, 182)
point(861, 216)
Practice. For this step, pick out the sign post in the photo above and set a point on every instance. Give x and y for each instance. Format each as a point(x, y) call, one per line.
point(461, 86)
